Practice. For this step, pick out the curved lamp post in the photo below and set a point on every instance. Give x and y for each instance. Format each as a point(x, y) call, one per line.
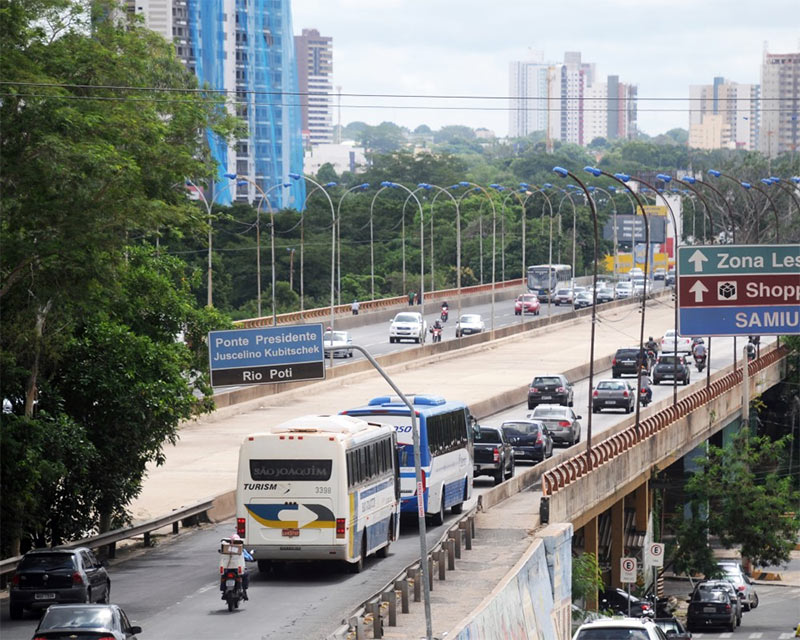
point(614, 206)
point(383, 187)
point(302, 238)
point(397, 185)
point(358, 187)
point(441, 190)
point(786, 189)
point(768, 183)
point(623, 179)
point(564, 173)
point(568, 196)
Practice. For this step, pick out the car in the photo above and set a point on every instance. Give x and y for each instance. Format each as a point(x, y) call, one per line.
point(552, 388)
point(468, 324)
point(617, 601)
point(52, 576)
point(659, 273)
point(582, 616)
point(583, 300)
point(670, 366)
point(728, 587)
point(562, 422)
point(619, 628)
point(528, 302)
point(636, 272)
point(711, 608)
point(669, 279)
point(672, 342)
point(613, 394)
point(529, 438)
point(340, 341)
point(673, 628)
point(493, 454)
point(605, 294)
point(628, 361)
point(736, 575)
point(408, 325)
point(562, 296)
point(623, 290)
point(99, 621)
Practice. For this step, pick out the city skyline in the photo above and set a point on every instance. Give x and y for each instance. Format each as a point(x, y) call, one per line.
point(426, 50)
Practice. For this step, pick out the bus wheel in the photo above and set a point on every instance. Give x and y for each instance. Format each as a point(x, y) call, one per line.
point(265, 566)
point(358, 566)
point(384, 551)
point(438, 518)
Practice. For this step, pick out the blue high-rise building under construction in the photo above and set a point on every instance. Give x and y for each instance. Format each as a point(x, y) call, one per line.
point(246, 49)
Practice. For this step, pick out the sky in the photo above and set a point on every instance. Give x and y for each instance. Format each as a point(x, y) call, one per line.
point(461, 49)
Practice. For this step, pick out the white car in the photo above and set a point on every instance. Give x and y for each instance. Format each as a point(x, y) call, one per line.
point(468, 324)
point(408, 325)
point(340, 341)
point(636, 272)
point(563, 296)
point(622, 628)
point(673, 342)
point(623, 290)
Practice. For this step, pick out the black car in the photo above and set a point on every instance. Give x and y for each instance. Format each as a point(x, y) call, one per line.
point(529, 438)
point(494, 455)
point(98, 621)
point(670, 367)
point(728, 588)
point(711, 608)
point(629, 361)
point(48, 576)
point(550, 389)
point(617, 601)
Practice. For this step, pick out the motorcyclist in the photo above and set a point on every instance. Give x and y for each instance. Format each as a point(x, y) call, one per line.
point(235, 541)
point(645, 390)
point(651, 345)
point(699, 351)
point(437, 324)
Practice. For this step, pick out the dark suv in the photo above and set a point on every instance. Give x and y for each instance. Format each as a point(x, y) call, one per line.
point(550, 389)
point(47, 576)
point(628, 362)
point(669, 367)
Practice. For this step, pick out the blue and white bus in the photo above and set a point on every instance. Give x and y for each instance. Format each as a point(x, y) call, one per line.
point(544, 279)
point(446, 438)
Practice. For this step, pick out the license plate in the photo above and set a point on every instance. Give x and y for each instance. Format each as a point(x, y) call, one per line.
point(44, 596)
point(627, 362)
point(709, 609)
point(230, 584)
point(547, 397)
point(667, 375)
point(290, 533)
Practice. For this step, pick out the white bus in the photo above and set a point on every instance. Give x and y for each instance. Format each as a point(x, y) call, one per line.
point(446, 437)
point(544, 279)
point(318, 488)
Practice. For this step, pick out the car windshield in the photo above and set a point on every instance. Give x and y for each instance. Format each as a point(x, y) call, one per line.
point(624, 285)
point(669, 625)
point(470, 319)
point(562, 292)
point(405, 317)
point(546, 380)
point(669, 360)
point(491, 436)
point(612, 633)
point(48, 561)
point(547, 412)
point(336, 336)
point(521, 428)
point(76, 617)
point(611, 385)
point(584, 296)
point(710, 595)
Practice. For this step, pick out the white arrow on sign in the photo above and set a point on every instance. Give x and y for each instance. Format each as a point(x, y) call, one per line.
point(698, 289)
point(697, 259)
point(302, 515)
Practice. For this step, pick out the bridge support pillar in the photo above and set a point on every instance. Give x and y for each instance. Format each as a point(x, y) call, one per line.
point(617, 540)
point(591, 544)
point(642, 504)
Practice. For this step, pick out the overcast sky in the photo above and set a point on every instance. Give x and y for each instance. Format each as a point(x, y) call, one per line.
point(463, 47)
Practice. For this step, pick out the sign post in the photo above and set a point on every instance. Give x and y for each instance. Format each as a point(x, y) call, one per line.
point(739, 290)
point(628, 576)
point(655, 558)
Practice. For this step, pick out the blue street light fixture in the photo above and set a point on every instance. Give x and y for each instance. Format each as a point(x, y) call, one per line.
point(786, 189)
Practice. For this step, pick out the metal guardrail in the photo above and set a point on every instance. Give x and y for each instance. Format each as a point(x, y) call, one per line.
point(109, 539)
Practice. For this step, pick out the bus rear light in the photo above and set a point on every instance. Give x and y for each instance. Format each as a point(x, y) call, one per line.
point(282, 437)
point(340, 527)
point(241, 529)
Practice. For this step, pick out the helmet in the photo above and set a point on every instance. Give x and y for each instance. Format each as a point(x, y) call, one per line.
point(235, 538)
point(650, 338)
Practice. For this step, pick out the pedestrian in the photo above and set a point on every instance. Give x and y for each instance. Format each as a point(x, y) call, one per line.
point(419, 298)
point(410, 298)
point(354, 307)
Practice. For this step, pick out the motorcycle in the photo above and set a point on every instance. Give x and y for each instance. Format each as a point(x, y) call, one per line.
point(231, 587)
point(645, 396)
point(445, 314)
point(437, 334)
point(700, 362)
point(233, 576)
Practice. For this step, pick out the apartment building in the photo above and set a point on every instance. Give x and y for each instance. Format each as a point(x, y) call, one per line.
point(780, 103)
point(315, 81)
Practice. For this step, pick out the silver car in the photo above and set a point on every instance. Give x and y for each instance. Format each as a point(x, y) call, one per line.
point(468, 324)
point(340, 341)
point(734, 573)
point(562, 422)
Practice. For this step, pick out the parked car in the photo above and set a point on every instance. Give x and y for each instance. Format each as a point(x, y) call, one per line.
point(468, 324)
point(563, 296)
point(728, 588)
point(494, 455)
point(619, 629)
point(613, 394)
point(672, 342)
point(617, 601)
point(551, 389)
point(623, 289)
point(583, 300)
point(606, 294)
point(659, 273)
point(711, 608)
point(340, 341)
point(529, 302)
point(49, 576)
point(673, 628)
point(97, 621)
point(669, 279)
point(529, 438)
point(670, 366)
point(408, 325)
point(735, 574)
point(628, 361)
point(562, 422)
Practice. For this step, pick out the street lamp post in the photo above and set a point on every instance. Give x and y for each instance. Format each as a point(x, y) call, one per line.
point(786, 189)
point(318, 187)
point(397, 185)
point(384, 185)
point(358, 187)
point(614, 206)
point(439, 191)
point(291, 267)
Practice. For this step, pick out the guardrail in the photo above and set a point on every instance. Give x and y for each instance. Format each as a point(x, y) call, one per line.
point(109, 539)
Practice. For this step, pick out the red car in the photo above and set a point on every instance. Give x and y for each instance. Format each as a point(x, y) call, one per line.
point(531, 303)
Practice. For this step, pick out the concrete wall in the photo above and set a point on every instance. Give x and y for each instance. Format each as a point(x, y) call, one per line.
point(533, 599)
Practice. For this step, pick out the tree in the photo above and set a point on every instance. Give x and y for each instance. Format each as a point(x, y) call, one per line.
point(385, 138)
point(587, 578)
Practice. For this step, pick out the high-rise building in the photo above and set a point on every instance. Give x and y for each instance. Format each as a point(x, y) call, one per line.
point(244, 48)
point(780, 103)
point(315, 81)
point(528, 90)
point(723, 115)
point(622, 109)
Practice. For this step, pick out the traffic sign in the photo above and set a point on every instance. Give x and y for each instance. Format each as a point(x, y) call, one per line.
point(731, 290)
point(627, 570)
point(266, 355)
point(655, 554)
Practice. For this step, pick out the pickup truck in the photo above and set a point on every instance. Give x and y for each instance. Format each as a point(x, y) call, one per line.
point(494, 455)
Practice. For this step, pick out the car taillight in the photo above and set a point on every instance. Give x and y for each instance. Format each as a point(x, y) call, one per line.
point(727, 607)
point(644, 390)
point(77, 578)
point(534, 390)
point(645, 607)
point(563, 423)
point(340, 527)
point(241, 527)
point(539, 438)
point(495, 454)
point(624, 394)
point(15, 580)
point(595, 394)
point(613, 361)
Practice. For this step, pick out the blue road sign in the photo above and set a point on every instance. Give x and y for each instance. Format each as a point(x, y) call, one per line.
point(739, 321)
point(266, 355)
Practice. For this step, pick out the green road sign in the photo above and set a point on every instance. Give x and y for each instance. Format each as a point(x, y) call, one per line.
point(731, 260)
